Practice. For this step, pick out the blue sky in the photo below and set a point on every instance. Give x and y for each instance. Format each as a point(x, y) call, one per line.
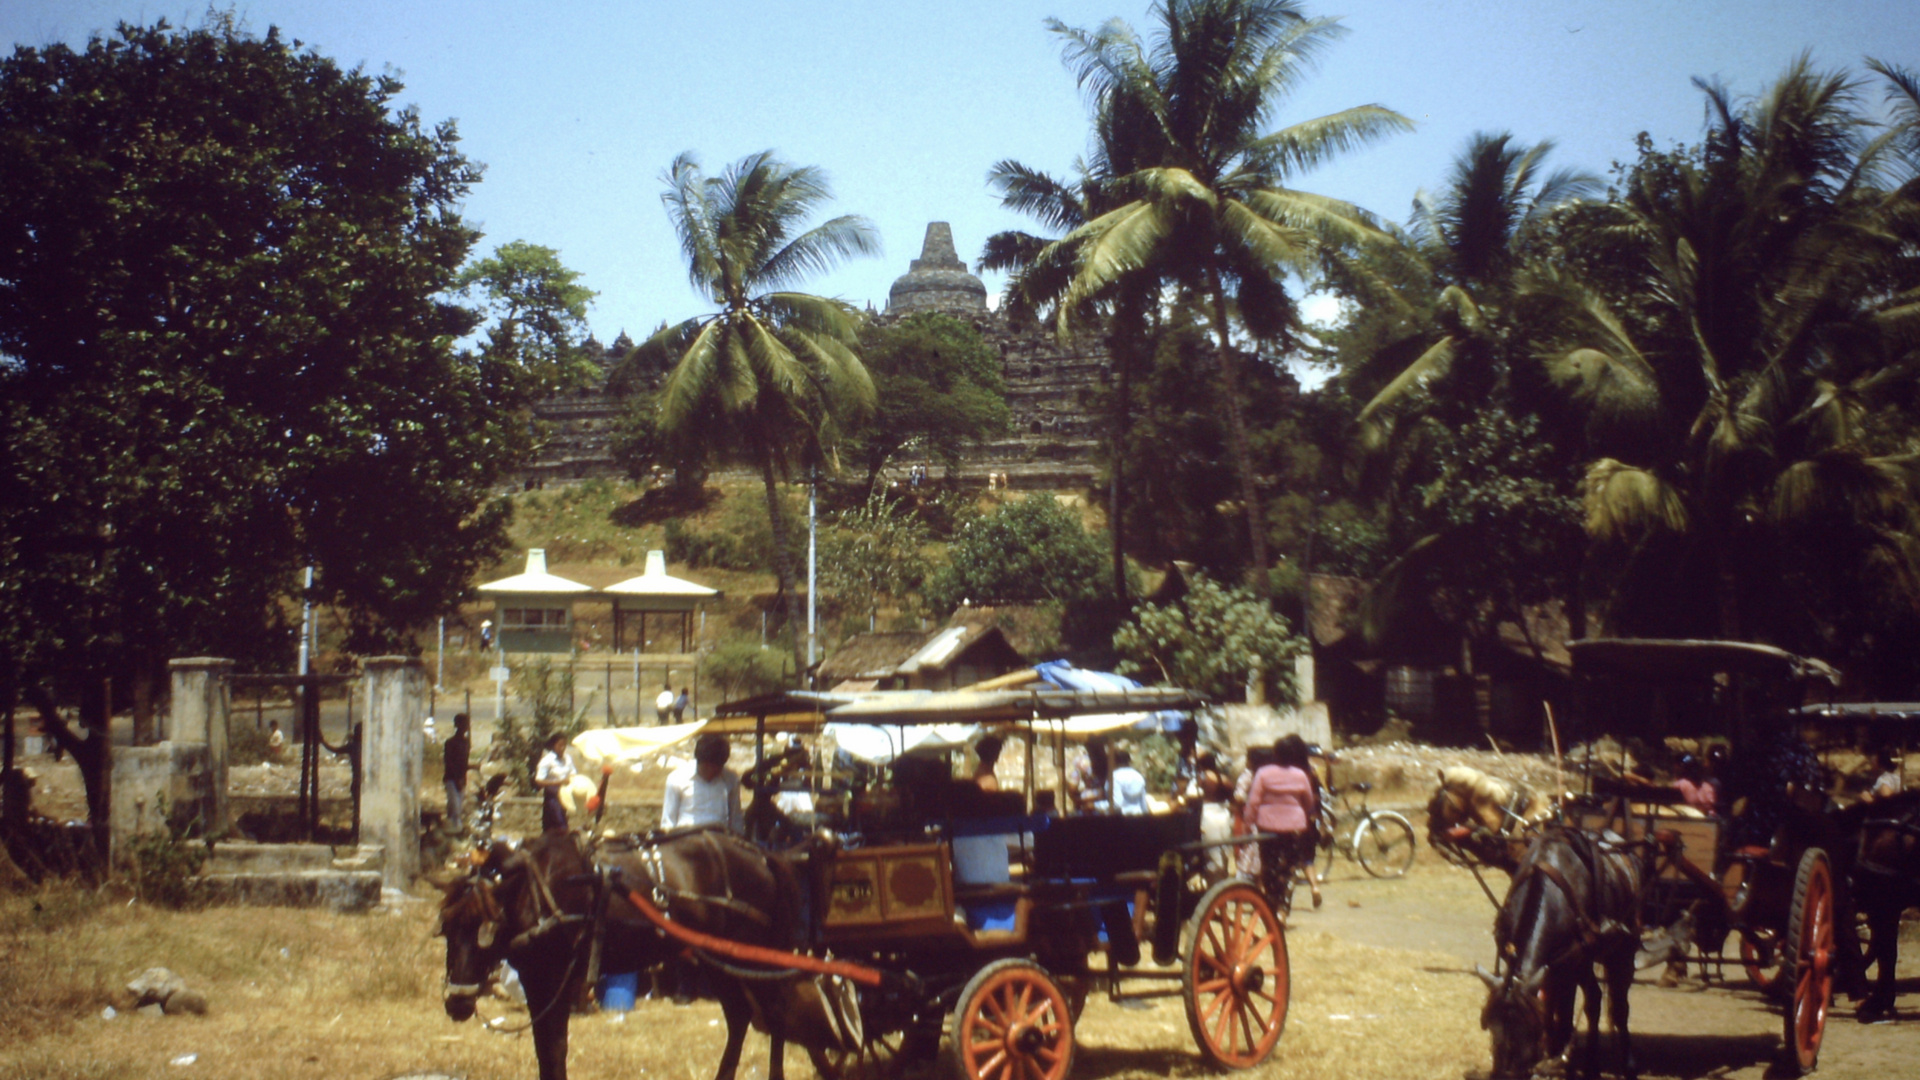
point(577, 108)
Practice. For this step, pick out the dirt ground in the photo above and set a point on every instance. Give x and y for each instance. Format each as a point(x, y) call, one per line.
point(1382, 987)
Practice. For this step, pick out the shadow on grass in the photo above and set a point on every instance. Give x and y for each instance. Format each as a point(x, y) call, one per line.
point(661, 503)
point(1692, 1056)
point(1094, 1062)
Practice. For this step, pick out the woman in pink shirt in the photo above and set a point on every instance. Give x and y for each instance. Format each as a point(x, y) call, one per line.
point(1281, 806)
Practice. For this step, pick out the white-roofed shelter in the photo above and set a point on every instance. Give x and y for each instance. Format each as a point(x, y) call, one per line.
point(533, 611)
point(667, 601)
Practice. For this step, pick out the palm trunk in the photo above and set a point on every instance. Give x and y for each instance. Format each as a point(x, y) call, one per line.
point(783, 573)
point(1238, 442)
point(1116, 500)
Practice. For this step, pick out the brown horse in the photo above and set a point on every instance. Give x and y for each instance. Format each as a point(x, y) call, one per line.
point(1574, 903)
point(539, 907)
point(1885, 882)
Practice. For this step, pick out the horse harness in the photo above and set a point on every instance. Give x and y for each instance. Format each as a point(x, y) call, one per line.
point(1907, 825)
point(1591, 933)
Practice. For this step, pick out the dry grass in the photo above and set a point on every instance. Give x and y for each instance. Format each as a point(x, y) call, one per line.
point(299, 993)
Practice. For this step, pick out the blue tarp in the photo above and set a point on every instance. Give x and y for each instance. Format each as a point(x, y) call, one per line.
point(1062, 675)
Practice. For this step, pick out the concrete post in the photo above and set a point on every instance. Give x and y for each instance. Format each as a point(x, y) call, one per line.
point(201, 704)
point(391, 753)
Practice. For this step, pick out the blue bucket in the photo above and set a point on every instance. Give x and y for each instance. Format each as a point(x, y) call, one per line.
point(617, 991)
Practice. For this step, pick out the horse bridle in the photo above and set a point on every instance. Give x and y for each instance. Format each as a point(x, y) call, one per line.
point(480, 894)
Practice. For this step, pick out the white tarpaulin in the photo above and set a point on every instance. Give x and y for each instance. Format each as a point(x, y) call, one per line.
point(630, 745)
point(878, 744)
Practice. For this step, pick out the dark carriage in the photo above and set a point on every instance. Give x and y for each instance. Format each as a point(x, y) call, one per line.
point(1764, 874)
point(987, 924)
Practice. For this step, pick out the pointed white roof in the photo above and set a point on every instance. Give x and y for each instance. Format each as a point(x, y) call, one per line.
point(535, 579)
point(657, 582)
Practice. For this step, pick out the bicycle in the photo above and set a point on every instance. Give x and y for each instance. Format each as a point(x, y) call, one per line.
point(1381, 841)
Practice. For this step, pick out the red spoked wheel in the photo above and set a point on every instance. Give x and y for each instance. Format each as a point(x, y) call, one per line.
point(1012, 1023)
point(1235, 976)
point(1760, 956)
point(1807, 963)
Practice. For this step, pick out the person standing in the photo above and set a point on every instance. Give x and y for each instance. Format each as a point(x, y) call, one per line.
point(663, 704)
point(457, 757)
point(1129, 785)
point(276, 742)
point(1281, 806)
point(987, 750)
point(1088, 779)
point(680, 706)
point(552, 774)
point(703, 791)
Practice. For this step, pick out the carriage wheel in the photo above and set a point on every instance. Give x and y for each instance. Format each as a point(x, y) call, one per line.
point(1807, 964)
point(1012, 1023)
point(1235, 976)
point(1760, 955)
point(1384, 845)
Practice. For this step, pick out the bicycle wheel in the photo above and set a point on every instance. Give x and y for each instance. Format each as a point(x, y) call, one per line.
point(1384, 844)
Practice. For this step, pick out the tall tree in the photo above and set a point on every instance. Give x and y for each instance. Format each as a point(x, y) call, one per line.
point(538, 310)
point(778, 367)
point(938, 386)
point(1475, 483)
point(1185, 127)
point(1751, 388)
point(224, 352)
point(1042, 273)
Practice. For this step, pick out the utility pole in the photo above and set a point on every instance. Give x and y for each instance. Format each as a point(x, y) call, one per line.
point(813, 565)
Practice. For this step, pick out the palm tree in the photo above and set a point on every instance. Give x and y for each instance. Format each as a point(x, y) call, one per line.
point(1200, 199)
point(777, 367)
point(1750, 388)
point(1469, 239)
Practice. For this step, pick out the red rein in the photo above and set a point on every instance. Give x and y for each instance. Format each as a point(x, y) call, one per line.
point(752, 954)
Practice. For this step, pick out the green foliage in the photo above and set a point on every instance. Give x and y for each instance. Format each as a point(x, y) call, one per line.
point(1156, 756)
point(546, 692)
point(1182, 136)
point(937, 385)
point(1213, 640)
point(222, 304)
point(772, 372)
point(164, 865)
point(742, 667)
point(641, 444)
point(539, 313)
point(739, 537)
point(1739, 345)
point(1029, 550)
point(871, 553)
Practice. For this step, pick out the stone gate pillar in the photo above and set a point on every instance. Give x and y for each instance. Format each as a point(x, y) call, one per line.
point(391, 753)
point(202, 704)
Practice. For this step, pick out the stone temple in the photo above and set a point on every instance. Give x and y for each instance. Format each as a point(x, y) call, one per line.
point(1052, 436)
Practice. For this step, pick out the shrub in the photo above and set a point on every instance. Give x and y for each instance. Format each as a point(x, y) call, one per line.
point(1027, 551)
point(742, 667)
point(165, 865)
point(547, 692)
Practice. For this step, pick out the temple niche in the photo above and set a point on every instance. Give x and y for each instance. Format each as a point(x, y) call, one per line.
point(1052, 437)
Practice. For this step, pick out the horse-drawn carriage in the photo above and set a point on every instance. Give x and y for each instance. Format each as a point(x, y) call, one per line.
point(1768, 868)
point(925, 909)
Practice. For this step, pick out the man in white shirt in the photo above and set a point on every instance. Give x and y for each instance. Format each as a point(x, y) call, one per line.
point(1129, 786)
point(663, 704)
point(704, 792)
point(552, 774)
